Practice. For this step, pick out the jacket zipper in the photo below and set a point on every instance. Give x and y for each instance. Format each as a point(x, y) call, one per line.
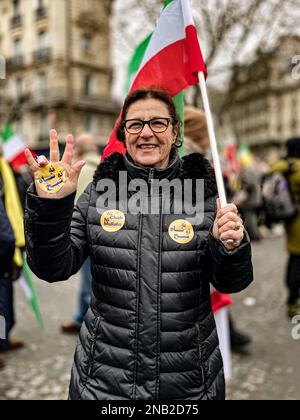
point(200, 355)
point(137, 309)
point(93, 346)
point(151, 179)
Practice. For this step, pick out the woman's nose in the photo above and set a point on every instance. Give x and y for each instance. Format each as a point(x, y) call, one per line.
point(146, 132)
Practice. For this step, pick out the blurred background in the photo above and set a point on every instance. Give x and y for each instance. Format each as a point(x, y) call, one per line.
point(63, 65)
point(66, 65)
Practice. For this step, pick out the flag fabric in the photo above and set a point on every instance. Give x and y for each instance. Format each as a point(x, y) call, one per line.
point(13, 148)
point(133, 69)
point(245, 156)
point(172, 58)
point(28, 288)
point(223, 329)
point(219, 300)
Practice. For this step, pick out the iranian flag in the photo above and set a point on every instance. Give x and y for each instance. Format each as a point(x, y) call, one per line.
point(170, 58)
point(13, 148)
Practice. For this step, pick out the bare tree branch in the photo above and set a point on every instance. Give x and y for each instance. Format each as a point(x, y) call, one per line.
point(229, 28)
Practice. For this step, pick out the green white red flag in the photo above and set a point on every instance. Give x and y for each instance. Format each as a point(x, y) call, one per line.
point(172, 58)
point(13, 148)
point(29, 291)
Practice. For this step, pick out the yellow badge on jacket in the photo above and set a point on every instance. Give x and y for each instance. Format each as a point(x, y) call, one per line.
point(181, 231)
point(51, 178)
point(112, 220)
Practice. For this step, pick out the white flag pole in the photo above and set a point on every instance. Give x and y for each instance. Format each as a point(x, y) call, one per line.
point(213, 142)
point(222, 319)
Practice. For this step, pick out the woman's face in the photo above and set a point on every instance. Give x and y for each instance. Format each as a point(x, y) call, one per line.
point(148, 148)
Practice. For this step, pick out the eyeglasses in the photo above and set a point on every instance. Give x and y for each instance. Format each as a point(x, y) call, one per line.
point(157, 125)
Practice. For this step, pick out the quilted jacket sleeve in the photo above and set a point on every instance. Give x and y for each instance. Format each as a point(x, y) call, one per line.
point(232, 270)
point(56, 240)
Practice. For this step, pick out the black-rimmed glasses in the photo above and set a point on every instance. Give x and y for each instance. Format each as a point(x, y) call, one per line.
point(157, 125)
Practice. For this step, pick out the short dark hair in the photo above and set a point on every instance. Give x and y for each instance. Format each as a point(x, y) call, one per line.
point(151, 93)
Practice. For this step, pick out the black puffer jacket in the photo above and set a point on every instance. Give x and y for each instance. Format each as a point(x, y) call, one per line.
point(150, 332)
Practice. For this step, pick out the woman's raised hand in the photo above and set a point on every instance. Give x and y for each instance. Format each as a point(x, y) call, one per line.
point(55, 178)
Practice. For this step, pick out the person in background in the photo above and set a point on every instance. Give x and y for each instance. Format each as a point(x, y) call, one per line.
point(23, 179)
point(290, 167)
point(196, 140)
point(87, 150)
point(7, 249)
point(11, 242)
point(252, 200)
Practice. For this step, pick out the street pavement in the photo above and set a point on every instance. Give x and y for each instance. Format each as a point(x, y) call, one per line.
point(269, 371)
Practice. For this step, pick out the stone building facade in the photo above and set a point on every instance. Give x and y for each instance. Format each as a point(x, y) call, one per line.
point(263, 101)
point(58, 72)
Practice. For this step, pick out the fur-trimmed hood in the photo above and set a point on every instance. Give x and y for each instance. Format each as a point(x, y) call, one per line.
point(193, 166)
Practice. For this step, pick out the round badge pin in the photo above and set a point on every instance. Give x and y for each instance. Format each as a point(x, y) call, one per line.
point(112, 220)
point(51, 178)
point(181, 231)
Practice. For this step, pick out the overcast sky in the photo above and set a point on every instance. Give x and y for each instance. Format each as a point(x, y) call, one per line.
point(139, 28)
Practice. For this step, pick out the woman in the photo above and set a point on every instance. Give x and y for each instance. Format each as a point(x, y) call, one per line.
point(149, 333)
point(290, 167)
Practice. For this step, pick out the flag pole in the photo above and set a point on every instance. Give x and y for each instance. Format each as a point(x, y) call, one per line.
point(221, 318)
point(213, 142)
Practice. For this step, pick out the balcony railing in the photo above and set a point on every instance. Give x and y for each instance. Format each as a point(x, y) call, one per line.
point(16, 21)
point(41, 55)
point(15, 62)
point(89, 20)
point(40, 13)
point(58, 97)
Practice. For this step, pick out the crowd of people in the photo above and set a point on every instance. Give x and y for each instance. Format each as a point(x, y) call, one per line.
point(108, 309)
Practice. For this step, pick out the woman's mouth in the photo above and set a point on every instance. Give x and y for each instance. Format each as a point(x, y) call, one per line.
point(147, 147)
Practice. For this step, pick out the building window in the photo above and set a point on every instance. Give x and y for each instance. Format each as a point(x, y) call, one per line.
point(41, 4)
point(42, 41)
point(86, 44)
point(17, 47)
point(44, 126)
point(40, 8)
point(88, 124)
point(18, 126)
point(43, 84)
point(43, 51)
point(16, 7)
point(16, 19)
point(87, 85)
point(18, 88)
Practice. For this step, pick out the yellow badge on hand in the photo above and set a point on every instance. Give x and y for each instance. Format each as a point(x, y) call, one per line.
point(51, 178)
point(181, 231)
point(112, 220)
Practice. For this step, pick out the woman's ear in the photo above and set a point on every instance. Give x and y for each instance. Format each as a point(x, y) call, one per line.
point(175, 132)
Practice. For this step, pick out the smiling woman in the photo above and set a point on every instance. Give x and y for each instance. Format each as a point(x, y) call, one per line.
point(150, 127)
point(149, 333)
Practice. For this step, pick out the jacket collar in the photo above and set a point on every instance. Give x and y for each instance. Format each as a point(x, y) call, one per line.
point(171, 172)
point(193, 166)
